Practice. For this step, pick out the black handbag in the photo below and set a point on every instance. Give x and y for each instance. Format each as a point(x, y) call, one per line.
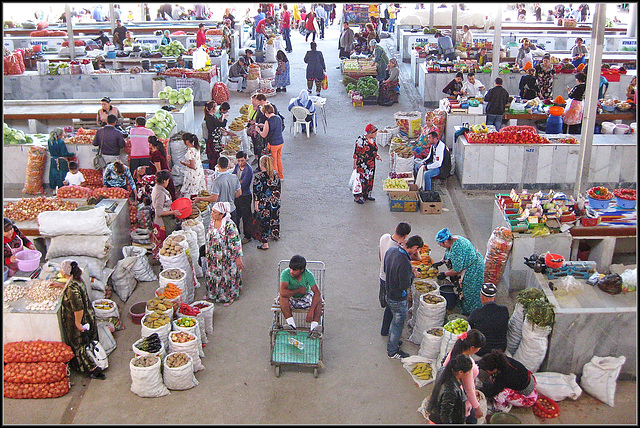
point(99, 162)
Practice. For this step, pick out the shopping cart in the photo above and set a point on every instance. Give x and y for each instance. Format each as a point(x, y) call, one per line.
point(282, 351)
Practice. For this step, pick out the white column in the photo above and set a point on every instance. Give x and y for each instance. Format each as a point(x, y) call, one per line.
point(454, 23)
point(497, 29)
point(633, 20)
point(72, 45)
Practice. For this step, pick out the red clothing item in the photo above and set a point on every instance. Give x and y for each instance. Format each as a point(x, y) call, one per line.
point(286, 20)
point(309, 24)
point(201, 39)
point(261, 25)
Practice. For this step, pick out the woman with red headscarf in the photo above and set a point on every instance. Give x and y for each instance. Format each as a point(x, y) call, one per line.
point(364, 162)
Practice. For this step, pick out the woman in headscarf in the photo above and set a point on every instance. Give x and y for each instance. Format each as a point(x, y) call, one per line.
point(266, 193)
point(364, 162)
point(164, 221)
point(303, 100)
point(166, 39)
point(544, 77)
point(59, 164)
point(282, 79)
point(78, 319)
point(387, 86)
point(14, 242)
point(467, 263)
point(224, 256)
point(379, 56)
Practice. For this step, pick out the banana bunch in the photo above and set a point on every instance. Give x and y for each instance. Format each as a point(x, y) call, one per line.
point(202, 205)
point(480, 129)
point(244, 109)
point(426, 271)
point(422, 371)
point(423, 288)
point(238, 124)
point(403, 151)
point(233, 144)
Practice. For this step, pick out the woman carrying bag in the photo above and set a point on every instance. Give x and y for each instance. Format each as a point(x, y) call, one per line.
point(59, 165)
point(164, 221)
point(572, 116)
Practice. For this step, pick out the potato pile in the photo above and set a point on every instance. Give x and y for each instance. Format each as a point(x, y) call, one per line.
point(177, 359)
point(233, 144)
point(432, 299)
point(146, 361)
point(171, 246)
point(202, 205)
point(155, 320)
point(172, 273)
point(436, 331)
point(182, 337)
point(159, 304)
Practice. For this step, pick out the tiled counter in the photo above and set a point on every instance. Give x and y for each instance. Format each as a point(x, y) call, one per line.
point(31, 86)
point(588, 323)
point(505, 166)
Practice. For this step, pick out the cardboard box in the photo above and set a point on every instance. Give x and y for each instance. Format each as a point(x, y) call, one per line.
point(408, 204)
point(431, 207)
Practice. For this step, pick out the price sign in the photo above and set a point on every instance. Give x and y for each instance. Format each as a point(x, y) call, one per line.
point(47, 42)
point(628, 45)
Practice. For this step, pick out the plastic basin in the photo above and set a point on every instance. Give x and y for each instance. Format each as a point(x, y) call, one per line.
point(503, 418)
point(556, 111)
point(446, 291)
point(28, 260)
point(183, 205)
point(609, 109)
point(598, 204)
point(625, 203)
point(621, 129)
point(554, 261)
point(136, 311)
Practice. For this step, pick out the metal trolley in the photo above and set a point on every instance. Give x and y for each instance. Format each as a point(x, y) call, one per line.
point(283, 352)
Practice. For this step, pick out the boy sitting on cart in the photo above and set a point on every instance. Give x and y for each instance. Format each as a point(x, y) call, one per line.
point(298, 290)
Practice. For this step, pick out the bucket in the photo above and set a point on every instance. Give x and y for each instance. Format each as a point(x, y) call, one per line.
point(625, 203)
point(554, 125)
point(621, 129)
point(556, 111)
point(632, 128)
point(446, 291)
point(111, 54)
point(607, 127)
point(28, 260)
point(554, 261)
point(183, 205)
point(171, 63)
point(145, 63)
point(137, 311)
point(598, 204)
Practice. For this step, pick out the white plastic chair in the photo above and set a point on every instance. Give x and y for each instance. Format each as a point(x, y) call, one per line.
point(300, 118)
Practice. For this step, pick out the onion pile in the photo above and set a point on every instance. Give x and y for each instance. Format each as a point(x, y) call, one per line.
point(40, 290)
point(111, 192)
point(13, 292)
point(73, 192)
point(36, 351)
point(43, 372)
point(36, 390)
point(29, 208)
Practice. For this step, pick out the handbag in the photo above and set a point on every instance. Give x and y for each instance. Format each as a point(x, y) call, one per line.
point(325, 82)
point(573, 115)
point(99, 162)
point(255, 228)
point(96, 352)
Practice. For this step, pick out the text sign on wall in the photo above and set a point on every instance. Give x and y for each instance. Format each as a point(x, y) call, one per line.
point(47, 42)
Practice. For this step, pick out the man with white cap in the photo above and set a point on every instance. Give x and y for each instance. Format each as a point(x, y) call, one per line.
point(491, 319)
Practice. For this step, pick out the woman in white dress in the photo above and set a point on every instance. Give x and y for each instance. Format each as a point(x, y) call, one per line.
point(193, 181)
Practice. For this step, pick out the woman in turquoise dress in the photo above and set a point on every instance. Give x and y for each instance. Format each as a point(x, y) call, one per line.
point(224, 256)
point(282, 79)
point(59, 154)
point(466, 262)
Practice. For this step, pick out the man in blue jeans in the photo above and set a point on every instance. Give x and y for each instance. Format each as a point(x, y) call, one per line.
point(497, 99)
point(399, 276)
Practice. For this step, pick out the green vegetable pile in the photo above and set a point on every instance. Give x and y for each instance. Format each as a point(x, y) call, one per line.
point(15, 136)
point(541, 313)
point(367, 87)
point(350, 87)
point(528, 295)
point(174, 48)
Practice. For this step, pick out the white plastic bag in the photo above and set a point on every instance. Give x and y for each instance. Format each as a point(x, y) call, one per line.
point(410, 362)
point(569, 284)
point(207, 313)
point(534, 345)
point(190, 348)
point(430, 346)
point(429, 315)
point(514, 332)
point(105, 313)
point(96, 246)
point(195, 330)
point(123, 280)
point(179, 378)
point(199, 58)
point(90, 222)
point(629, 279)
point(147, 381)
point(105, 337)
point(557, 386)
point(354, 183)
point(599, 377)
point(142, 268)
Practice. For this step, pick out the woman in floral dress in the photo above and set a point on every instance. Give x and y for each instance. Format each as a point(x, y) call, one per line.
point(266, 193)
point(544, 77)
point(193, 182)
point(282, 79)
point(364, 162)
point(466, 262)
point(224, 256)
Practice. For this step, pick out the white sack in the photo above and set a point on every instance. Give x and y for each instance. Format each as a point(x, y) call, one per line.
point(163, 331)
point(140, 353)
point(190, 348)
point(430, 346)
point(195, 330)
point(410, 362)
point(446, 344)
point(123, 280)
point(142, 268)
point(96, 246)
point(599, 377)
point(201, 323)
point(534, 345)
point(90, 222)
point(105, 337)
point(514, 332)
point(207, 313)
point(557, 386)
point(429, 315)
point(147, 381)
point(179, 378)
point(104, 313)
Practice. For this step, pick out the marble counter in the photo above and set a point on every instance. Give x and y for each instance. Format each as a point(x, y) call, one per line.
point(31, 86)
point(431, 84)
point(588, 323)
point(506, 166)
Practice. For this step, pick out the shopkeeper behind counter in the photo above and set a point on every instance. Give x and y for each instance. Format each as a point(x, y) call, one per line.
point(14, 242)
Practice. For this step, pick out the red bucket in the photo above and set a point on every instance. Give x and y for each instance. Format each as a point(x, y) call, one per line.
point(183, 205)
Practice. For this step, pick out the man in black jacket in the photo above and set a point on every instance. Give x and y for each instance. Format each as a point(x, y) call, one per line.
point(496, 98)
point(110, 140)
point(491, 319)
point(399, 276)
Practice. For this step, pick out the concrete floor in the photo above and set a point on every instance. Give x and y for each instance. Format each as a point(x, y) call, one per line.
point(358, 384)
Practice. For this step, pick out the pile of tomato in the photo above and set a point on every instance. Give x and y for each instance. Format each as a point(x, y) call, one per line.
point(626, 194)
point(600, 193)
point(508, 135)
point(546, 408)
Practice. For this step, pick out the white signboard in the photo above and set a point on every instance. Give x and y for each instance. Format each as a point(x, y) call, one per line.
point(191, 40)
point(628, 44)
point(8, 44)
point(47, 42)
point(154, 41)
point(426, 38)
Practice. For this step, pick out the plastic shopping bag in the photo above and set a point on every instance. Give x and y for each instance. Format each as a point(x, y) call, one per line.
point(325, 82)
point(354, 183)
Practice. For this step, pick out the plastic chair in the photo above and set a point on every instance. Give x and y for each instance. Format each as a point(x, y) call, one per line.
point(300, 118)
